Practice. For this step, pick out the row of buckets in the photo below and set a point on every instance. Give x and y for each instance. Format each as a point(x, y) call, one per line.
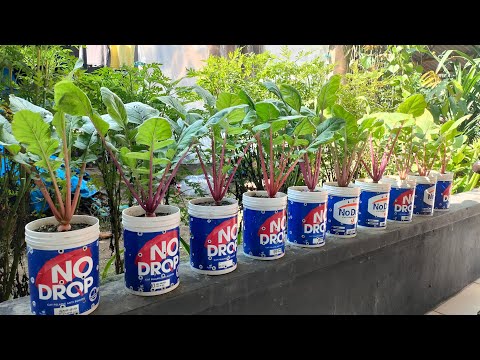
point(64, 267)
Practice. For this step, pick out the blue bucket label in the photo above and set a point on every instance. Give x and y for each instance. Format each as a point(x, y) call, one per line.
point(213, 243)
point(264, 232)
point(400, 205)
point(373, 208)
point(442, 195)
point(64, 282)
point(151, 260)
point(424, 199)
point(306, 223)
point(342, 215)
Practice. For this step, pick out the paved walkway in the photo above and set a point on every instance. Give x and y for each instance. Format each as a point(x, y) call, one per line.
point(465, 302)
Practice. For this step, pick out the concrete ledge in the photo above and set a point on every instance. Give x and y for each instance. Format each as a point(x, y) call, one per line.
point(406, 269)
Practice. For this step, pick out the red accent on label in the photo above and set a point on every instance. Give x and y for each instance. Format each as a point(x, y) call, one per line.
point(220, 232)
point(275, 218)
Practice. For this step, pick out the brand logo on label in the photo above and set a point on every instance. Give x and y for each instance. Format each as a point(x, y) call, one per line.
point(446, 193)
point(272, 231)
point(404, 202)
point(314, 222)
point(429, 195)
point(158, 255)
point(66, 275)
point(345, 211)
point(222, 239)
point(377, 205)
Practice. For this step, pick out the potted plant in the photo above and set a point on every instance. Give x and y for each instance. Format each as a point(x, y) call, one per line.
point(147, 167)
point(63, 250)
point(264, 214)
point(449, 138)
point(214, 219)
point(425, 152)
point(306, 209)
point(374, 198)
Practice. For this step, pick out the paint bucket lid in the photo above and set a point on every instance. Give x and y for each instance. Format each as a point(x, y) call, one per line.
point(133, 221)
point(396, 182)
point(333, 189)
point(62, 240)
point(369, 185)
point(448, 176)
point(430, 179)
point(259, 200)
point(195, 208)
point(303, 195)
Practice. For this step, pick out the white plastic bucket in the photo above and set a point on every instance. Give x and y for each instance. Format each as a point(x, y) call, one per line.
point(264, 225)
point(213, 236)
point(63, 267)
point(424, 194)
point(152, 250)
point(443, 191)
point(307, 216)
point(342, 209)
point(402, 195)
point(373, 206)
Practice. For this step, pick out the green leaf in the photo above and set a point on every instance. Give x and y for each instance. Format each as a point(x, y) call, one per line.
point(17, 104)
point(207, 97)
point(300, 142)
point(261, 127)
point(250, 118)
point(291, 96)
point(129, 162)
point(112, 124)
point(414, 105)
point(153, 131)
point(225, 113)
point(115, 107)
point(190, 134)
point(279, 125)
point(6, 136)
point(174, 104)
point(226, 100)
point(100, 124)
point(267, 111)
point(138, 112)
point(29, 128)
point(339, 112)
point(226, 169)
point(328, 93)
point(71, 100)
point(246, 98)
point(272, 87)
point(305, 127)
point(425, 124)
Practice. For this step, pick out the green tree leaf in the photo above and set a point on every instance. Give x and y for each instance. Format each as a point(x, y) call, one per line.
point(226, 100)
point(267, 111)
point(414, 105)
point(115, 107)
point(71, 100)
point(291, 96)
point(153, 131)
point(328, 93)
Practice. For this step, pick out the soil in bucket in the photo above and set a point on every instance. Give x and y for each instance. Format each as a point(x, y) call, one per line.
point(53, 228)
point(213, 203)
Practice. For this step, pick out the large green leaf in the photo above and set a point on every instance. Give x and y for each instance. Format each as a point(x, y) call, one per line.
point(71, 100)
point(246, 98)
point(267, 111)
point(339, 112)
point(279, 125)
point(272, 87)
point(190, 134)
point(100, 124)
point(291, 96)
point(129, 162)
point(425, 124)
point(29, 129)
point(115, 107)
point(414, 105)
point(304, 127)
point(327, 129)
point(174, 104)
point(153, 131)
point(112, 124)
point(6, 137)
point(261, 127)
point(328, 93)
point(17, 104)
point(138, 112)
point(225, 113)
point(226, 100)
point(207, 97)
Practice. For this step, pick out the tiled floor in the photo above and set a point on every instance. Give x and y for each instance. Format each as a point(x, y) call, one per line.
point(466, 302)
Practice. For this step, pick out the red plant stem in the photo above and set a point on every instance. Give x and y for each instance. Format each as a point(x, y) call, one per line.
point(222, 158)
point(214, 160)
point(262, 163)
point(225, 189)
point(282, 181)
point(160, 184)
point(336, 163)
point(283, 165)
point(271, 160)
point(68, 177)
point(48, 198)
point(122, 174)
point(367, 169)
point(304, 168)
point(150, 177)
point(172, 176)
point(76, 196)
point(205, 172)
point(318, 163)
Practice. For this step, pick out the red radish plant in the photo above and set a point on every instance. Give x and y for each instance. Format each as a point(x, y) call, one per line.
point(223, 127)
point(384, 139)
point(153, 157)
point(425, 150)
point(42, 145)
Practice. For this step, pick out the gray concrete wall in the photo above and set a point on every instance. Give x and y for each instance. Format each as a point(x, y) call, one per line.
point(406, 269)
